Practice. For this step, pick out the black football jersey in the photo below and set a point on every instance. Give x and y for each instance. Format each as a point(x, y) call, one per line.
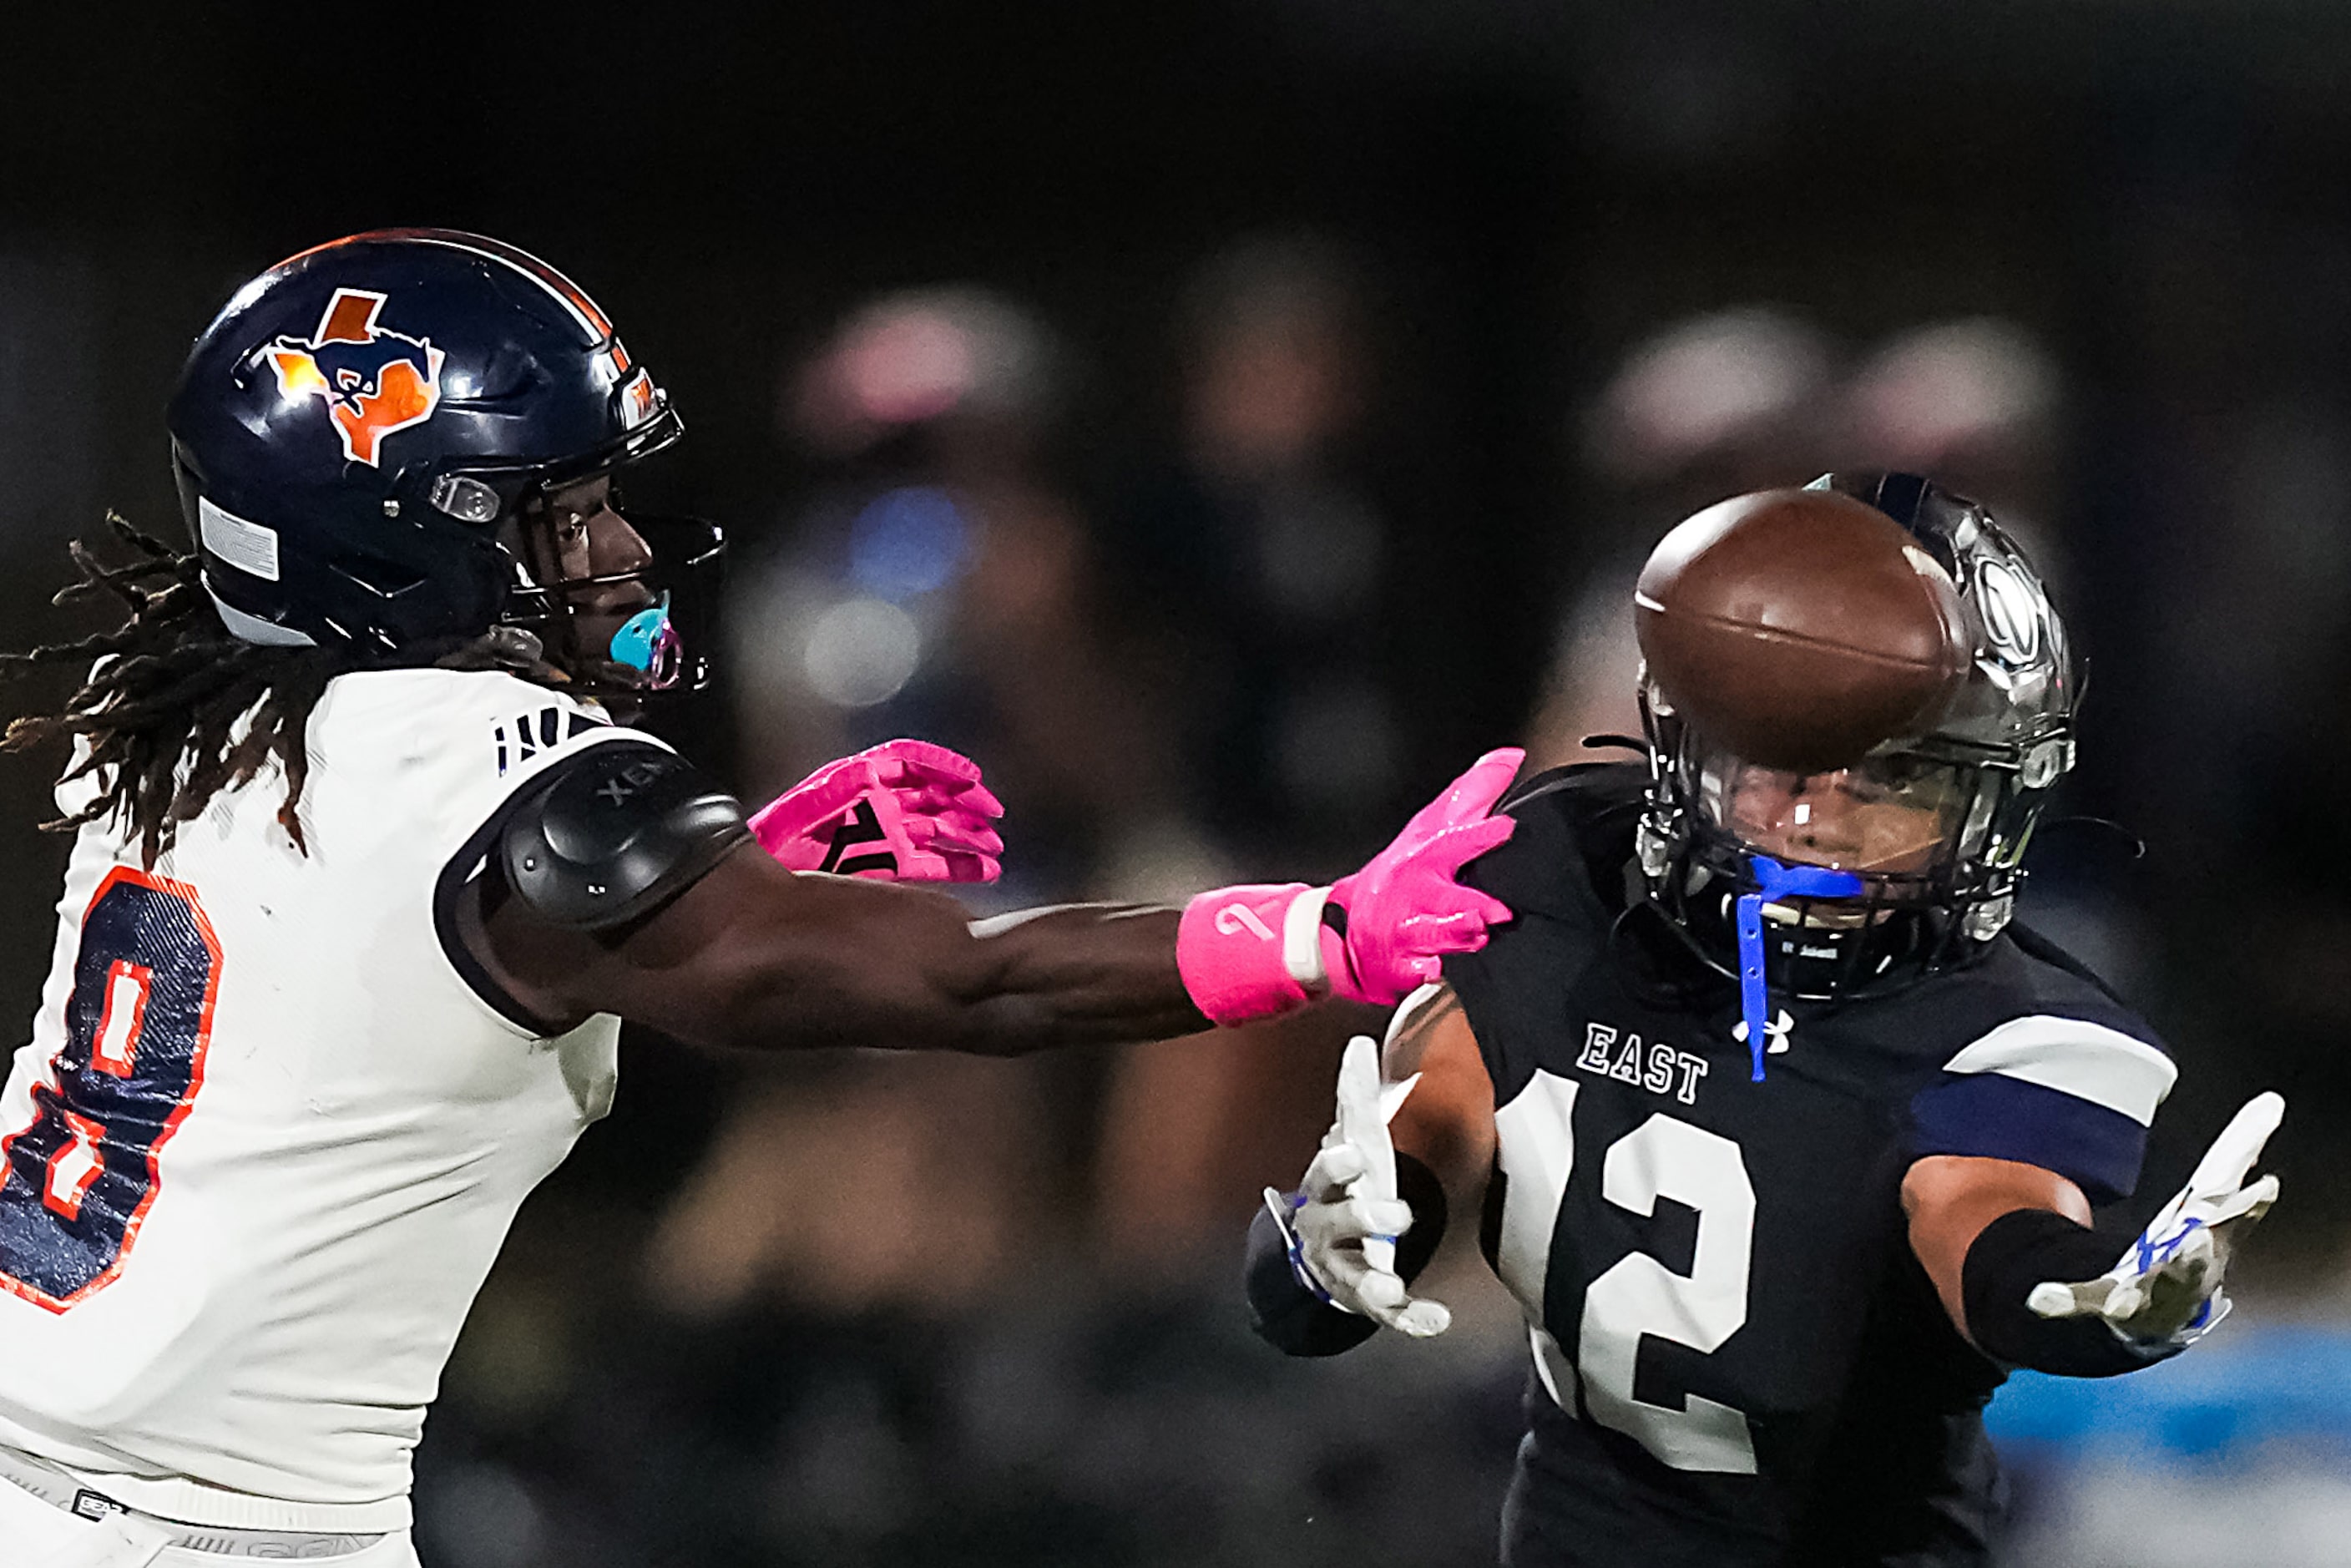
point(1738, 1359)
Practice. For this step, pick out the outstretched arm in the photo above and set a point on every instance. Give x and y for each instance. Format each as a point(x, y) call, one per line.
point(735, 949)
point(2009, 1247)
point(755, 955)
point(1951, 1200)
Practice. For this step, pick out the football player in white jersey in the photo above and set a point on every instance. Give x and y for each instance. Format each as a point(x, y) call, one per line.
point(369, 866)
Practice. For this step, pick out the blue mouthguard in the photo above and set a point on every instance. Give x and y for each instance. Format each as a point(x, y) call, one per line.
point(640, 636)
point(1774, 882)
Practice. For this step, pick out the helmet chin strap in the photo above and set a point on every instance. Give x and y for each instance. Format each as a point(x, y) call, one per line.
point(1774, 882)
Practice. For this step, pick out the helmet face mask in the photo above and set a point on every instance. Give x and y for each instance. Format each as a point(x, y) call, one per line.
point(368, 433)
point(1932, 826)
point(1892, 817)
point(613, 631)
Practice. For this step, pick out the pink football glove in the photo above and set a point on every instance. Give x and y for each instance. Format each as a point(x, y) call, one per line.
point(904, 811)
point(1254, 951)
point(1403, 910)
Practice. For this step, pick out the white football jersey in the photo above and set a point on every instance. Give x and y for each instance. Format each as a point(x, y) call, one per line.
point(268, 1137)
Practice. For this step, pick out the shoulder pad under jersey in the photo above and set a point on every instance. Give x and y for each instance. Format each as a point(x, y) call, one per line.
point(1573, 839)
point(610, 835)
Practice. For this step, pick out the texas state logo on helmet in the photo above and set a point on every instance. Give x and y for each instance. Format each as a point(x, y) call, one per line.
point(373, 379)
point(359, 434)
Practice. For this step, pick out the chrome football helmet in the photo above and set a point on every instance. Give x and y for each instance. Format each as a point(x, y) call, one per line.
point(1911, 857)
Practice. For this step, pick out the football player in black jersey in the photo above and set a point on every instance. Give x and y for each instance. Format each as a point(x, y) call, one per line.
point(1784, 1137)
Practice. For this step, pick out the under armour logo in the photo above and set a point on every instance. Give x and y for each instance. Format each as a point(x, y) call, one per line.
point(1775, 1033)
point(1233, 919)
point(862, 826)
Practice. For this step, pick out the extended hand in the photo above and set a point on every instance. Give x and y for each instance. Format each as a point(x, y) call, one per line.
point(2167, 1288)
point(1405, 910)
point(1343, 1220)
point(904, 811)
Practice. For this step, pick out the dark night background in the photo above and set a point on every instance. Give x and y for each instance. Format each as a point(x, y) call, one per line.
point(1509, 201)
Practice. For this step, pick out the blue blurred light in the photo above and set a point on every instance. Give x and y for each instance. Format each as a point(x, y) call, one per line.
point(908, 541)
point(2251, 1388)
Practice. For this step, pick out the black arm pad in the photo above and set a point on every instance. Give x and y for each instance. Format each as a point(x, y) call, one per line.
point(2019, 1250)
point(1418, 1186)
point(1285, 1313)
point(614, 832)
point(1291, 1318)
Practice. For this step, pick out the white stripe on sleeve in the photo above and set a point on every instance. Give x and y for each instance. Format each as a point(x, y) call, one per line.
point(2087, 1061)
point(1535, 1146)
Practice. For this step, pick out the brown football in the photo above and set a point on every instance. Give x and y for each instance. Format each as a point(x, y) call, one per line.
point(1799, 628)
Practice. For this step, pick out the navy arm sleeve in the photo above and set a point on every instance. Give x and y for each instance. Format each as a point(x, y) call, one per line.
point(2062, 1092)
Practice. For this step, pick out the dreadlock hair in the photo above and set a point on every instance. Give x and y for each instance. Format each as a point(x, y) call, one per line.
point(162, 712)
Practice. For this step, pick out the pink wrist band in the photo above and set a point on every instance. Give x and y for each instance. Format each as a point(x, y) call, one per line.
point(1255, 951)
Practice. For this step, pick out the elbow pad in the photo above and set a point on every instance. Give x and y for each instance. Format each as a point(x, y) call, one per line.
point(2019, 1250)
point(615, 834)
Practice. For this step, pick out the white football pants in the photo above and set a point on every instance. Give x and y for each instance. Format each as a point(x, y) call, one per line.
point(35, 1534)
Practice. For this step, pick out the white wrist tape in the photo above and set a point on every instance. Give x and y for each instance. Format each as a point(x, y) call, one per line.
point(1301, 939)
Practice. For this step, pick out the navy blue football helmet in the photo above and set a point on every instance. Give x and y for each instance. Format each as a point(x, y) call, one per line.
point(365, 431)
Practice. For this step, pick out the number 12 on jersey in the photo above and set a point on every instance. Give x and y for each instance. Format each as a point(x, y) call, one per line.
point(78, 1180)
point(1637, 1296)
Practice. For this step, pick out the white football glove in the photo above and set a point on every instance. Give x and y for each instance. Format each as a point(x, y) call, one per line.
point(2166, 1290)
point(1343, 1220)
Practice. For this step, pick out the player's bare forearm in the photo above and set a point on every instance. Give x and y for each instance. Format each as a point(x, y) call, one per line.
point(754, 956)
point(878, 964)
point(1950, 1199)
